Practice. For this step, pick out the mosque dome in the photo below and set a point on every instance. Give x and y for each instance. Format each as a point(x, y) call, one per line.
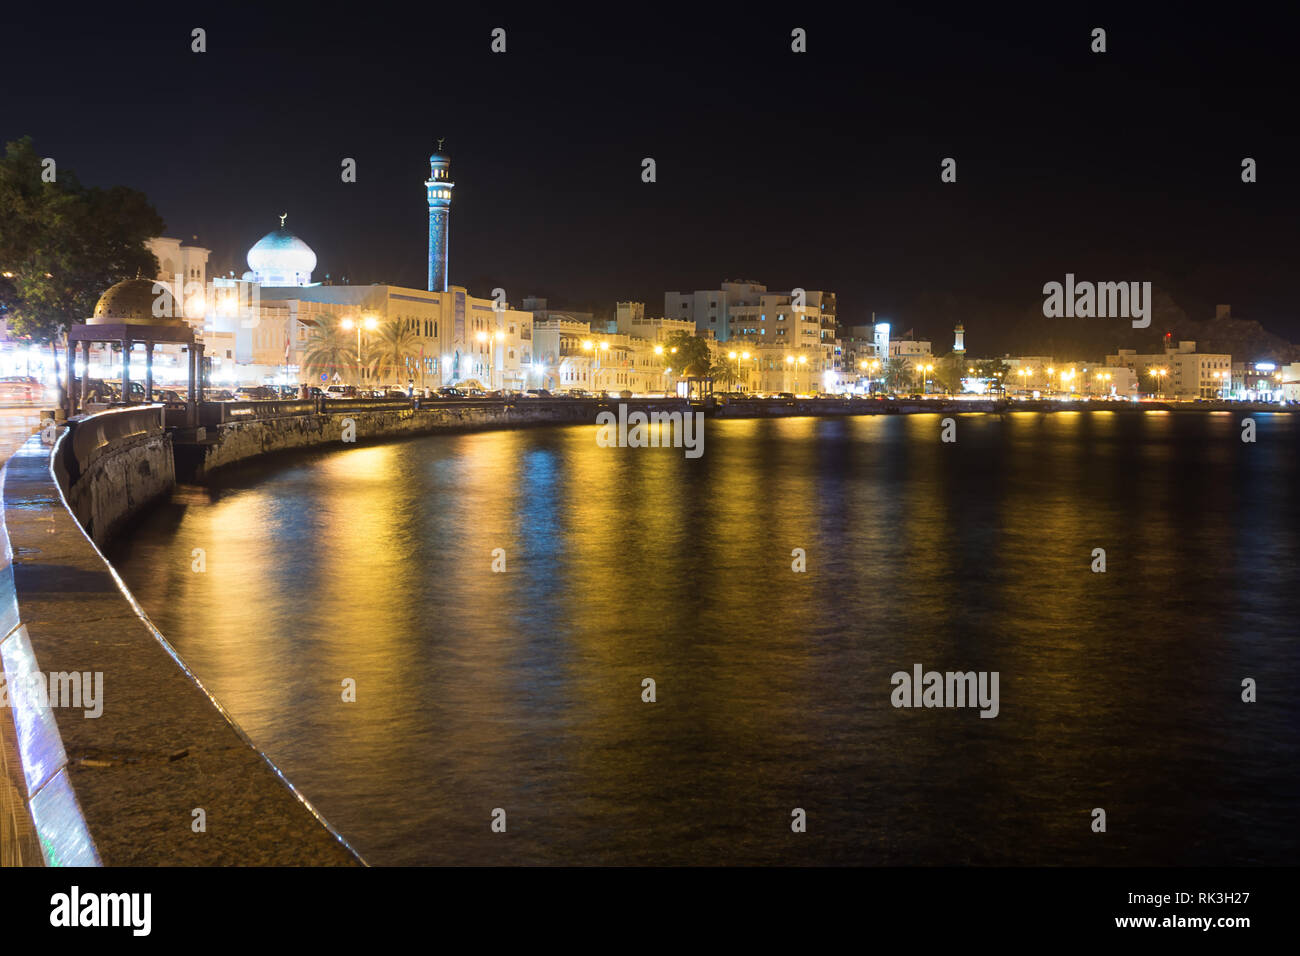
point(130, 302)
point(281, 258)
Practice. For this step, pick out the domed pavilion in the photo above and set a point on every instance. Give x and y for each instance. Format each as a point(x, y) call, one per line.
point(132, 312)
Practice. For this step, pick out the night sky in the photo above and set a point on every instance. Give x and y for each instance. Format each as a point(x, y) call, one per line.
point(819, 170)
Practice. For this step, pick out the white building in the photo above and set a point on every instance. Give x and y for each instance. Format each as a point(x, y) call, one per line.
point(1179, 373)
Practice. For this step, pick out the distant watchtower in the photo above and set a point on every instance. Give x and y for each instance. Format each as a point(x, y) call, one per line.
point(959, 345)
point(439, 187)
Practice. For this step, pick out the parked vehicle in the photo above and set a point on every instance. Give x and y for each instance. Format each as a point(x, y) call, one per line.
point(21, 388)
point(169, 395)
point(448, 391)
point(256, 393)
point(114, 390)
point(341, 391)
point(537, 393)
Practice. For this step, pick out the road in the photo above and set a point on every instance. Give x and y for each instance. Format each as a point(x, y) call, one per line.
point(17, 422)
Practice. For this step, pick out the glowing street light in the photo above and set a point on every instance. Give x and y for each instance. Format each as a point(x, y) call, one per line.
point(370, 323)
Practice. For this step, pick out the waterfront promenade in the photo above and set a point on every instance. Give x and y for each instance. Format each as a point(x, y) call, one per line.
point(150, 770)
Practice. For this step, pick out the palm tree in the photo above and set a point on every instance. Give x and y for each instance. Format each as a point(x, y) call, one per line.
point(390, 349)
point(329, 348)
point(898, 373)
point(724, 370)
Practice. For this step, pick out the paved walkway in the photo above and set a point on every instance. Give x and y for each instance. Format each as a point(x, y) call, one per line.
point(17, 422)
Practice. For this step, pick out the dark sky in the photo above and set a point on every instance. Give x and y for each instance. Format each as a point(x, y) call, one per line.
point(819, 170)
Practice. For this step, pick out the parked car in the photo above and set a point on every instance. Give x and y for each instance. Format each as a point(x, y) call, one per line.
point(784, 395)
point(114, 390)
point(448, 391)
point(169, 395)
point(537, 393)
point(256, 393)
point(577, 393)
point(341, 391)
point(21, 388)
point(218, 395)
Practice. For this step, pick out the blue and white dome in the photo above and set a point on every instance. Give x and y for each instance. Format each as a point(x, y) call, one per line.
point(281, 259)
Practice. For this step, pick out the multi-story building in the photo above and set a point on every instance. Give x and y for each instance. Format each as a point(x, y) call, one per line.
point(748, 310)
point(571, 354)
point(184, 269)
point(1259, 381)
point(1181, 373)
point(1290, 381)
point(541, 312)
point(910, 349)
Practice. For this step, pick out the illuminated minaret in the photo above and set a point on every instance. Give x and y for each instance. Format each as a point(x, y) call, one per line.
point(959, 346)
point(439, 187)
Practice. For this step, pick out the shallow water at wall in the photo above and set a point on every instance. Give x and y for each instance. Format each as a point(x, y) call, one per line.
point(523, 690)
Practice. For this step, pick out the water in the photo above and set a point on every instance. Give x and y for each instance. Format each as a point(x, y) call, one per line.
point(522, 690)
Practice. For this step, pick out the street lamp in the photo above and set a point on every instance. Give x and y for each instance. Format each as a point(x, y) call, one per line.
point(370, 324)
point(490, 340)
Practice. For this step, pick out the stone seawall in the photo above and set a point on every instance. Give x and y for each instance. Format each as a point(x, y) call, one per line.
point(131, 762)
point(111, 466)
point(221, 445)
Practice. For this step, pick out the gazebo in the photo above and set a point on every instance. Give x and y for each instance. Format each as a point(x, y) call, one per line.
point(125, 315)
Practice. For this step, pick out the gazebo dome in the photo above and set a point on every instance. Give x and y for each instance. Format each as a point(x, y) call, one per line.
point(280, 258)
point(131, 302)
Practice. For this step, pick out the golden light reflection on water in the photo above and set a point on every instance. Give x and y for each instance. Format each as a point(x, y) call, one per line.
point(524, 689)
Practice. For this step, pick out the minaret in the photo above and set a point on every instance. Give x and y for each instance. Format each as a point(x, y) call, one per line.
point(959, 346)
point(439, 187)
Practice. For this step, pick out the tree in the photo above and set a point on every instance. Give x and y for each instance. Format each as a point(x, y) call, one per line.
point(950, 370)
point(725, 370)
point(329, 349)
point(390, 349)
point(63, 244)
point(898, 374)
point(687, 354)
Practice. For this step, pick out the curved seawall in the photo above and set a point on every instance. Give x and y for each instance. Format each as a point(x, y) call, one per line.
point(113, 752)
